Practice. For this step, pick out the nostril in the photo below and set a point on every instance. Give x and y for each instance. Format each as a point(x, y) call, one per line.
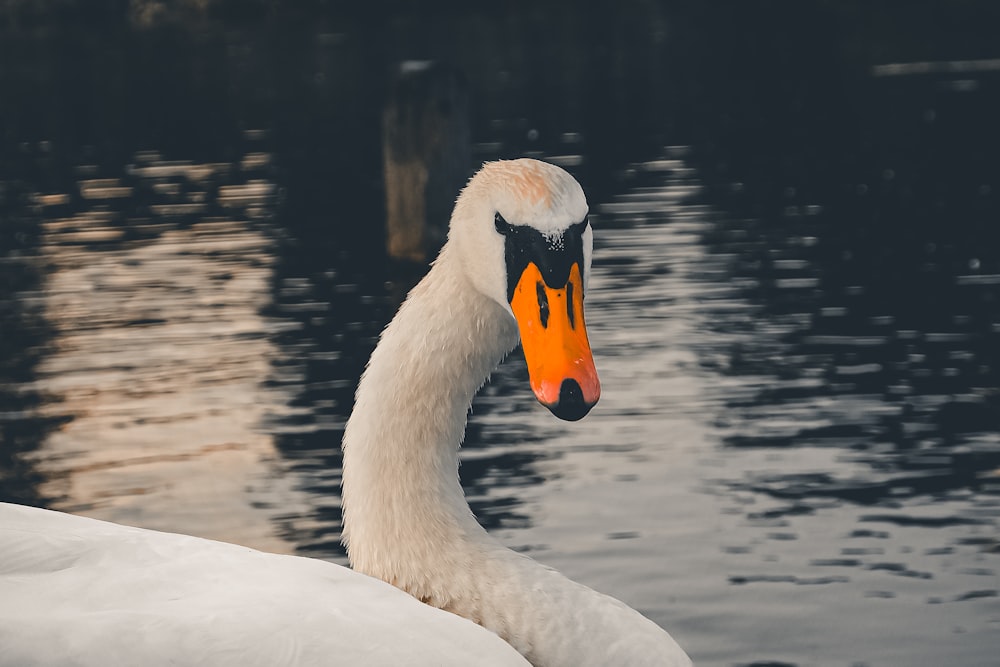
point(571, 405)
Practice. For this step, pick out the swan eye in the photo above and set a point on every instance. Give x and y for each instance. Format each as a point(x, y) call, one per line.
point(502, 225)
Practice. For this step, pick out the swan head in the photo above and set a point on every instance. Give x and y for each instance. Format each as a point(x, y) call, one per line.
point(521, 231)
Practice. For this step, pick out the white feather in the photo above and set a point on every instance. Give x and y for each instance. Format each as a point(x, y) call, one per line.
point(81, 592)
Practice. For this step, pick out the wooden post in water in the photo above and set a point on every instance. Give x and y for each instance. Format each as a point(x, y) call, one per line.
point(425, 155)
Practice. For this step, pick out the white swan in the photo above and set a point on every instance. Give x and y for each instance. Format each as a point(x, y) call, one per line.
point(76, 591)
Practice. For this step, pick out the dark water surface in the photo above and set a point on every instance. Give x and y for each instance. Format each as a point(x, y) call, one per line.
point(794, 307)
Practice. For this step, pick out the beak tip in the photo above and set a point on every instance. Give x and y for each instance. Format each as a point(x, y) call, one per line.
point(571, 405)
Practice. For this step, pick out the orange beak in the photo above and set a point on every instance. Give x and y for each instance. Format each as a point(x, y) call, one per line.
point(554, 337)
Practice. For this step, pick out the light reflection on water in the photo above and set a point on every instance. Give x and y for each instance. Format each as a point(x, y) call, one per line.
point(815, 490)
point(157, 352)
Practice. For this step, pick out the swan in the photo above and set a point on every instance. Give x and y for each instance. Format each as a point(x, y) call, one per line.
point(429, 585)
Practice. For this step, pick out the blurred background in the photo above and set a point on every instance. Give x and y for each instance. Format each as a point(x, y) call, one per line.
point(795, 302)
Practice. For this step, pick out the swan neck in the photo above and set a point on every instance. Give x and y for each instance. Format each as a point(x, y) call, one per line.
point(406, 520)
point(403, 503)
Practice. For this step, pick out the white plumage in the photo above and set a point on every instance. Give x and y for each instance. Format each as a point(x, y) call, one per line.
point(80, 592)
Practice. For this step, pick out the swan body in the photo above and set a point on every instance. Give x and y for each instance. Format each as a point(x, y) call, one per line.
point(78, 592)
point(514, 267)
